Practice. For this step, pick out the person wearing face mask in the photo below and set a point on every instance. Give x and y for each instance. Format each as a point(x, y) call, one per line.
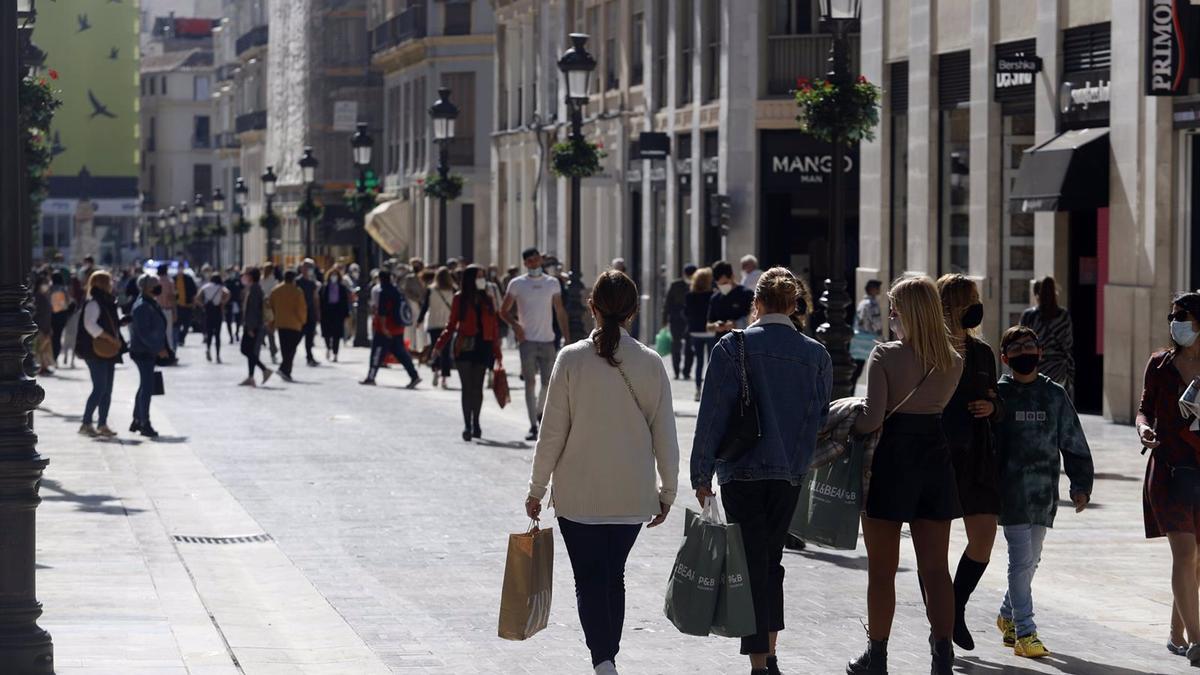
point(472, 336)
point(1172, 472)
point(308, 283)
point(1056, 333)
point(1038, 426)
point(731, 303)
point(967, 423)
point(335, 307)
point(148, 335)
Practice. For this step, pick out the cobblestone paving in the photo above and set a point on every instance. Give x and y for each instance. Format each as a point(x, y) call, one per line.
point(402, 526)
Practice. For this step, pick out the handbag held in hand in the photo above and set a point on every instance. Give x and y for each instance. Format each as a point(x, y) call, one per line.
point(528, 584)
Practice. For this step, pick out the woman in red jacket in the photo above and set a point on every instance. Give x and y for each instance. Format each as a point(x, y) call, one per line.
point(473, 336)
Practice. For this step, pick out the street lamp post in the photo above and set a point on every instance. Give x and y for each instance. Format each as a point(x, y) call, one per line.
point(240, 192)
point(308, 170)
point(198, 212)
point(268, 181)
point(160, 233)
point(443, 113)
point(361, 143)
point(576, 65)
point(838, 17)
point(24, 646)
point(185, 217)
point(218, 205)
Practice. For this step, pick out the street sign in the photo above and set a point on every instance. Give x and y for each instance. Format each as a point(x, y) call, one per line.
point(654, 145)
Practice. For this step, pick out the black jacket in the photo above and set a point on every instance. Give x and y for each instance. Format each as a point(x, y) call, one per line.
point(695, 310)
point(109, 321)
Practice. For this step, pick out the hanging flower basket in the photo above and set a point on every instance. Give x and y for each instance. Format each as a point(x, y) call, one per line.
point(241, 226)
point(268, 221)
point(576, 158)
point(216, 231)
point(826, 111)
point(314, 210)
point(361, 202)
point(37, 103)
point(449, 188)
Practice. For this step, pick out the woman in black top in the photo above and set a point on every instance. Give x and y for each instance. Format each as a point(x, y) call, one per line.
point(967, 423)
point(695, 310)
point(335, 307)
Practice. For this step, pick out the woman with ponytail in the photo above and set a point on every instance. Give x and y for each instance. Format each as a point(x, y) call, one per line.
point(607, 429)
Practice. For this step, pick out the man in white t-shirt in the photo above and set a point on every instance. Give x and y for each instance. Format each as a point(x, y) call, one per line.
point(537, 297)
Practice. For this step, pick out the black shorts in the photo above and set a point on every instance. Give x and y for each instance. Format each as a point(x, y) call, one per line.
point(912, 476)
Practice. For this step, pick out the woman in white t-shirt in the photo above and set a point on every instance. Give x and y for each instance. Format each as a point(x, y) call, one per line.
point(435, 312)
point(211, 300)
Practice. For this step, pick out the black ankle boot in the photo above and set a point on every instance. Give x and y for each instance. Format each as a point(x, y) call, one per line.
point(872, 662)
point(966, 578)
point(772, 665)
point(943, 658)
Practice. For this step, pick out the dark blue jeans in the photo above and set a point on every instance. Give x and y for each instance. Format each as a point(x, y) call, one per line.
point(598, 554)
point(701, 346)
point(381, 345)
point(102, 385)
point(141, 402)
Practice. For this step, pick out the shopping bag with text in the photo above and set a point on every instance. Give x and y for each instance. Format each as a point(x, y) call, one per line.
point(692, 591)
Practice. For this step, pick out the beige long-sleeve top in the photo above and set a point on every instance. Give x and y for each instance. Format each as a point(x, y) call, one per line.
point(892, 372)
point(599, 447)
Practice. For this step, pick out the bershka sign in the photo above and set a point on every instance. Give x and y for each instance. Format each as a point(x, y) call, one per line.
point(1016, 71)
point(1168, 28)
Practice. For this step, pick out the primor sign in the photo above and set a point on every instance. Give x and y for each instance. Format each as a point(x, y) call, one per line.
point(1169, 41)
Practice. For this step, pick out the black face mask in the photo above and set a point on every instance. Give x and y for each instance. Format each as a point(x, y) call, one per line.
point(973, 316)
point(156, 291)
point(1024, 364)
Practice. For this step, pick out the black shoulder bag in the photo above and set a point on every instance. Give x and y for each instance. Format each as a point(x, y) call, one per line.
point(744, 430)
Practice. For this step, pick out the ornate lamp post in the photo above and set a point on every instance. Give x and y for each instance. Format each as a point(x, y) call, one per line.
point(361, 143)
point(218, 206)
point(198, 212)
point(24, 646)
point(839, 18)
point(308, 171)
point(185, 217)
point(443, 113)
point(576, 65)
point(240, 192)
point(268, 181)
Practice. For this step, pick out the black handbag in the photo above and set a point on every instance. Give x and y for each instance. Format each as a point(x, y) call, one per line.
point(744, 430)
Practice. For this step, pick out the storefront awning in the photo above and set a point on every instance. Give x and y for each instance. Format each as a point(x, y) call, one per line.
point(1066, 173)
point(390, 225)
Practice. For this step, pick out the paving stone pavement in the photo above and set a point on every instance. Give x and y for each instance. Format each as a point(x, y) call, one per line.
point(401, 526)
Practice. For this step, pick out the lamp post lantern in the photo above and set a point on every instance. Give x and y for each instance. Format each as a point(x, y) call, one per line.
point(218, 206)
point(24, 646)
point(308, 171)
point(185, 217)
point(443, 113)
point(839, 18)
point(198, 212)
point(268, 180)
point(361, 144)
point(240, 195)
point(576, 65)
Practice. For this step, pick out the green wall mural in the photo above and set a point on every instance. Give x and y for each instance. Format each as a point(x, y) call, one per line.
point(92, 45)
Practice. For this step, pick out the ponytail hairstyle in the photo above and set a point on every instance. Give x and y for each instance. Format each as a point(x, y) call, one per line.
point(779, 291)
point(614, 301)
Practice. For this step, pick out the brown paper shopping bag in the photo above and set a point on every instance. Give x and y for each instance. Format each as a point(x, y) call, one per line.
point(528, 580)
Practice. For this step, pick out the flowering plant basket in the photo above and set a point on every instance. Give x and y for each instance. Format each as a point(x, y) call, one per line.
point(449, 188)
point(268, 221)
point(827, 111)
point(241, 226)
point(574, 158)
point(37, 103)
point(312, 210)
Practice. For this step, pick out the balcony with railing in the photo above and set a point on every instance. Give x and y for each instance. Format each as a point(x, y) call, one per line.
point(252, 121)
point(793, 56)
point(409, 24)
point(226, 72)
point(226, 140)
point(255, 37)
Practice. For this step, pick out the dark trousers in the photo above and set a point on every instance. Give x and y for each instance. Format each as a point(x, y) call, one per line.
point(763, 509)
point(681, 346)
point(183, 324)
point(288, 341)
point(382, 345)
point(598, 554)
point(271, 342)
point(445, 358)
point(701, 346)
point(141, 402)
point(102, 373)
point(472, 374)
point(251, 346)
point(310, 337)
point(58, 322)
point(212, 328)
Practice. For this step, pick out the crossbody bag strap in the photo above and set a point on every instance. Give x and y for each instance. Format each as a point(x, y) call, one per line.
point(910, 395)
point(629, 386)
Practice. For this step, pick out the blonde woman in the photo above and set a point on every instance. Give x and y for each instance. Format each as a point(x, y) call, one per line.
point(100, 322)
point(912, 478)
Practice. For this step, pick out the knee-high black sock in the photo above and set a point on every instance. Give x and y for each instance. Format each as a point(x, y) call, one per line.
point(966, 578)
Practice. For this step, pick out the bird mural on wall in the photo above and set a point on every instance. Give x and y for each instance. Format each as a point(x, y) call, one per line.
point(113, 52)
point(98, 108)
point(56, 147)
point(83, 23)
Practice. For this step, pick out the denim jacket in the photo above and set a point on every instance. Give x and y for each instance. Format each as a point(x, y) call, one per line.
point(148, 333)
point(791, 380)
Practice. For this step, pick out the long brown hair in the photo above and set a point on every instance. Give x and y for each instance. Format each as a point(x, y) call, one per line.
point(614, 301)
point(1047, 298)
point(958, 292)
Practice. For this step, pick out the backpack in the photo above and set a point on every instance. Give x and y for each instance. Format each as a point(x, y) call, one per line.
point(400, 312)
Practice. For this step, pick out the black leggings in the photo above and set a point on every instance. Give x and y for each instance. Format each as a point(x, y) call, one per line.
point(250, 347)
point(472, 374)
point(212, 328)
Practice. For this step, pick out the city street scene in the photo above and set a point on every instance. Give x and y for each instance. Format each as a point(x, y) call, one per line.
point(593, 336)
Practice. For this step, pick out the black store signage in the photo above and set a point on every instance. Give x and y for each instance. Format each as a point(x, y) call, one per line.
point(797, 163)
point(1083, 98)
point(1017, 67)
point(1169, 42)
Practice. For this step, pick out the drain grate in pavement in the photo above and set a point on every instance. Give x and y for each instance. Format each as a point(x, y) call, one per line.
point(247, 539)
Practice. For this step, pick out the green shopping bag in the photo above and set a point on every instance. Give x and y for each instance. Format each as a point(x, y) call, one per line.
point(695, 578)
point(735, 604)
point(662, 342)
point(831, 501)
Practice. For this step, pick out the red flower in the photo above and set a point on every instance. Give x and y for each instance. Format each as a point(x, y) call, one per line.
point(862, 79)
point(42, 82)
point(802, 82)
point(599, 144)
point(53, 74)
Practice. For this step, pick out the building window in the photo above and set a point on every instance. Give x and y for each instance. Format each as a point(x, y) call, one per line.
point(687, 45)
point(954, 186)
point(200, 88)
point(143, 91)
point(792, 17)
point(457, 18)
point(593, 28)
point(200, 131)
point(612, 60)
point(637, 40)
point(462, 92)
point(898, 214)
point(164, 85)
point(660, 53)
point(152, 86)
point(202, 179)
point(420, 122)
point(406, 130)
point(712, 49)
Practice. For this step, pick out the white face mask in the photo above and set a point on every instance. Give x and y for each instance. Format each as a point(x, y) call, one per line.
point(1183, 333)
point(480, 284)
point(535, 272)
point(896, 326)
point(724, 288)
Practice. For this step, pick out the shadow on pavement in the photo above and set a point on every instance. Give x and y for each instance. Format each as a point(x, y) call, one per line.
point(846, 562)
point(169, 439)
point(85, 503)
point(511, 445)
point(1065, 663)
point(1119, 477)
point(65, 418)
